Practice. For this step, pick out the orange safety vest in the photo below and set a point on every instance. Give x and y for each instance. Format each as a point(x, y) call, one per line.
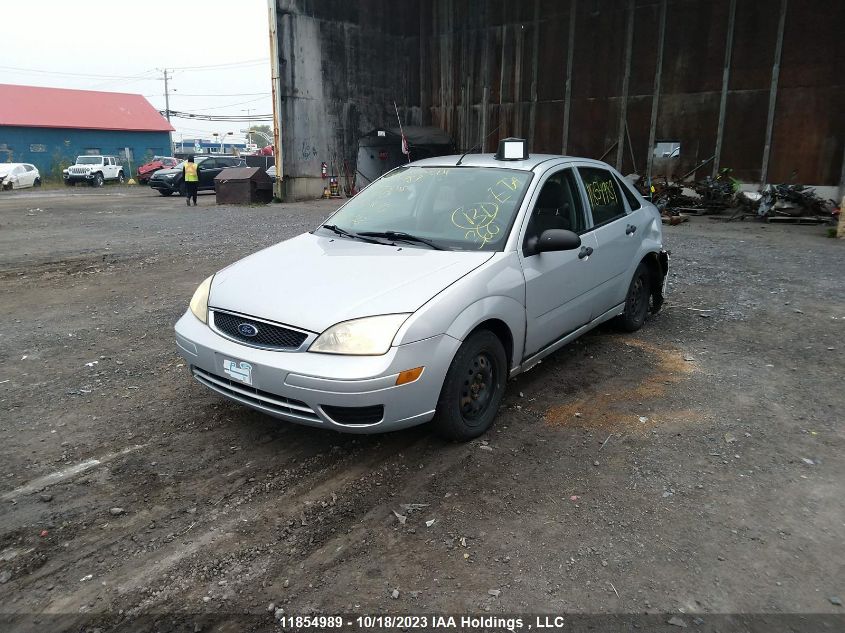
point(191, 172)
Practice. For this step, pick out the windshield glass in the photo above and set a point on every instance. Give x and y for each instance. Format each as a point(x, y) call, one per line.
point(460, 208)
point(89, 160)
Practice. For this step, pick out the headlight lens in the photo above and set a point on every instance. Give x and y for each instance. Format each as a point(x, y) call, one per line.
point(370, 336)
point(199, 302)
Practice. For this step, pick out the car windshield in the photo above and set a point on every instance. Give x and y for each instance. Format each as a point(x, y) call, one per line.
point(89, 160)
point(458, 208)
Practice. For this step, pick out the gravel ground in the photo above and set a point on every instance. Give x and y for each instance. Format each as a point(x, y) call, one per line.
point(695, 467)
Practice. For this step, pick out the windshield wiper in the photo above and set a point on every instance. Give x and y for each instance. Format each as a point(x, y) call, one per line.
point(403, 237)
point(358, 236)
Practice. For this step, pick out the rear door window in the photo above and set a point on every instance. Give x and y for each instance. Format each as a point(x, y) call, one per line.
point(603, 195)
point(633, 202)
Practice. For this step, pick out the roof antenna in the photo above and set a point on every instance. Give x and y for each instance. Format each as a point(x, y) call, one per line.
point(405, 149)
point(477, 145)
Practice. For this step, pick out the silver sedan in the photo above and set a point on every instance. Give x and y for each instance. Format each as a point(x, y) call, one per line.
point(418, 298)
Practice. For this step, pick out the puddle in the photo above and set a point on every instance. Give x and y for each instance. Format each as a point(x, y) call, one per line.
point(614, 406)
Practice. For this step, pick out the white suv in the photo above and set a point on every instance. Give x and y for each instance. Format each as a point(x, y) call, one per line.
point(94, 170)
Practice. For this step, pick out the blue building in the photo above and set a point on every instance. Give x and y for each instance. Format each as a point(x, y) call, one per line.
point(50, 127)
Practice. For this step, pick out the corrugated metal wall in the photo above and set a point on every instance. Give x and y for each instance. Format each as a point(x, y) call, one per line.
point(762, 81)
point(567, 75)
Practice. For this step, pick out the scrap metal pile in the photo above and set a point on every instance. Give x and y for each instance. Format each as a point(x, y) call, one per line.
point(795, 203)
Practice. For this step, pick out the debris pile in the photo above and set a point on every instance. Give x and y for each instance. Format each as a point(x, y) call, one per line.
point(795, 203)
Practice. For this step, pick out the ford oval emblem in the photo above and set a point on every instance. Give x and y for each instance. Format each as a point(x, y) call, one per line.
point(247, 329)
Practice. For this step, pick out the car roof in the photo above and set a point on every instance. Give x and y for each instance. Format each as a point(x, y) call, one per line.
point(489, 160)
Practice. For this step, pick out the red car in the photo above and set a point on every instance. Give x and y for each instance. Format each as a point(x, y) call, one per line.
point(146, 171)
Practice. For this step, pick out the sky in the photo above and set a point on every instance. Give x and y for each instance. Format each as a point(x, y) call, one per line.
point(119, 46)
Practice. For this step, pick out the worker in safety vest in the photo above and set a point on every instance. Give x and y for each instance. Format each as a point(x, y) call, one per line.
point(192, 180)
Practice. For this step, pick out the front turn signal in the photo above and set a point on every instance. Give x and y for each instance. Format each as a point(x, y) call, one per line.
point(409, 375)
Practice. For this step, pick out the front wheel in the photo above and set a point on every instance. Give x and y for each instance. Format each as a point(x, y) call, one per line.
point(98, 180)
point(165, 192)
point(637, 300)
point(473, 388)
point(37, 182)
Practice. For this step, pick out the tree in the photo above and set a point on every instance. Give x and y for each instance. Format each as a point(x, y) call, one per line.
point(260, 140)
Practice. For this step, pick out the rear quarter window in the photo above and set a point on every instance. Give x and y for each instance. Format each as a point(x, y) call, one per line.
point(632, 199)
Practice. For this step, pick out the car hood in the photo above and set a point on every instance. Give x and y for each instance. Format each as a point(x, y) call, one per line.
point(166, 172)
point(313, 282)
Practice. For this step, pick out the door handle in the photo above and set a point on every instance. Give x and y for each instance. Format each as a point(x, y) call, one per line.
point(630, 229)
point(586, 251)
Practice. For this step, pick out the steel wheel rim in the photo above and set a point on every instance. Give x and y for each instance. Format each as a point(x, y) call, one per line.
point(638, 298)
point(478, 387)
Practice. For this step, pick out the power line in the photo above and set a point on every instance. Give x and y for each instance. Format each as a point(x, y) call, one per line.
point(228, 105)
point(62, 73)
point(228, 94)
point(219, 117)
point(246, 62)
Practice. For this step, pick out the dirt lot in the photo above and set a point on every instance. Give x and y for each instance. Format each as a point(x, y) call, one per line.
point(693, 468)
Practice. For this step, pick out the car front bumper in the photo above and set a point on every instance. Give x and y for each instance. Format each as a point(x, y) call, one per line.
point(300, 386)
point(164, 185)
point(78, 177)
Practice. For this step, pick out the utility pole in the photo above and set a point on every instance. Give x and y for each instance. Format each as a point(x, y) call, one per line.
point(166, 94)
point(167, 102)
point(248, 124)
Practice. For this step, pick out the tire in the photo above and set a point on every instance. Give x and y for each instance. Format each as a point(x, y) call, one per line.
point(165, 193)
point(69, 183)
point(98, 180)
point(637, 300)
point(473, 388)
point(37, 182)
point(120, 178)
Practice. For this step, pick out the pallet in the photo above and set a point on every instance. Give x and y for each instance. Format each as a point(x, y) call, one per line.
point(796, 219)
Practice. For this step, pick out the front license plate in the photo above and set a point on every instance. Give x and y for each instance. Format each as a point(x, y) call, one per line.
point(238, 370)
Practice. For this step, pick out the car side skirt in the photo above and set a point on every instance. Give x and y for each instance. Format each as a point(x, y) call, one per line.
point(531, 361)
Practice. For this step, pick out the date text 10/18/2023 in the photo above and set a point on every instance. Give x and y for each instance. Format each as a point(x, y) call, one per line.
point(435, 622)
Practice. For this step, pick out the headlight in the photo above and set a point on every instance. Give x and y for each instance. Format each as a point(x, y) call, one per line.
point(370, 336)
point(170, 176)
point(199, 302)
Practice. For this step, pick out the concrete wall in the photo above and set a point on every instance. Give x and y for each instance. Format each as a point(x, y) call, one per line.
point(342, 65)
point(759, 83)
point(61, 146)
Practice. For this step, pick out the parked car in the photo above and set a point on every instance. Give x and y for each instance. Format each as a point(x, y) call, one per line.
point(95, 170)
point(146, 170)
point(19, 176)
point(170, 181)
point(420, 296)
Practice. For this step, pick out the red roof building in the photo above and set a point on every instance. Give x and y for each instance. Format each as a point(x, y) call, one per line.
point(34, 106)
point(50, 127)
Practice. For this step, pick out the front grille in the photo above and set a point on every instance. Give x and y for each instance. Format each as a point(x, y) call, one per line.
point(268, 335)
point(249, 395)
point(354, 415)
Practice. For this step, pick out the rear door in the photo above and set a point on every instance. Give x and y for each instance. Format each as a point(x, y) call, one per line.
point(206, 171)
point(618, 231)
point(29, 175)
point(558, 285)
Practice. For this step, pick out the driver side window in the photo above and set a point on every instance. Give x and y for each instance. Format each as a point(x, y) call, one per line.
point(559, 206)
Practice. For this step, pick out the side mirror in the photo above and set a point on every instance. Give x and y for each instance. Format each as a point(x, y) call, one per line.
point(557, 240)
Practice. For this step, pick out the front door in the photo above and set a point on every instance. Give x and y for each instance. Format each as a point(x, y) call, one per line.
point(558, 284)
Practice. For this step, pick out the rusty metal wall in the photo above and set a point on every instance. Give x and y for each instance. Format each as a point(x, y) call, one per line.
point(497, 68)
point(761, 81)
